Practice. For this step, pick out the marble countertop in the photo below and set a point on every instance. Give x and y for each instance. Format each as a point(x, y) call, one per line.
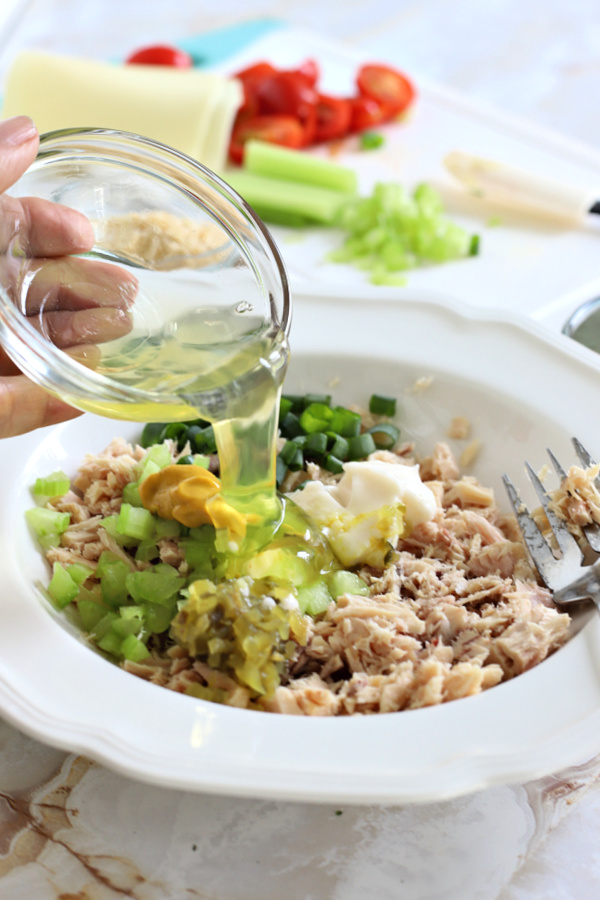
point(71, 829)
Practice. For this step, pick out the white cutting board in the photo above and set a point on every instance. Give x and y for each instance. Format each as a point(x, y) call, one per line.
point(526, 264)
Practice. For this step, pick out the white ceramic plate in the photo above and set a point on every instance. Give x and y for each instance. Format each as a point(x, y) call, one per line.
point(524, 389)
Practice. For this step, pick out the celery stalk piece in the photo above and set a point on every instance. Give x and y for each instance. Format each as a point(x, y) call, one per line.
point(344, 582)
point(113, 572)
point(54, 485)
point(133, 649)
point(156, 585)
point(135, 522)
point(90, 611)
point(316, 204)
point(62, 587)
point(263, 158)
point(131, 494)
point(314, 598)
point(79, 572)
point(46, 521)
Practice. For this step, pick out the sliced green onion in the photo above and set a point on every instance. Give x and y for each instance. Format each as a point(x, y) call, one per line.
point(385, 435)
point(308, 399)
point(333, 464)
point(316, 444)
point(371, 140)
point(316, 417)
point(345, 422)
point(152, 434)
point(340, 447)
point(382, 406)
point(290, 427)
point(361, 445)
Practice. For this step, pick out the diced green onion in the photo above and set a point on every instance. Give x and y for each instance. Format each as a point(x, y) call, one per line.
point(316, 444)
point(296, 401)
point(280, 471)
point(290, 427)
point(54, 485)
point(340, 447)
point(371, 140)
point(152, 434)
point(333, 464)
point(382, 406)
point(361, 445)
point(385, 435)
point(345, 422)
point(316, 417)
point(308, 399)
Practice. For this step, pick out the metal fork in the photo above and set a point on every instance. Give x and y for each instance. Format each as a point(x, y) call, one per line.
point(564, 574)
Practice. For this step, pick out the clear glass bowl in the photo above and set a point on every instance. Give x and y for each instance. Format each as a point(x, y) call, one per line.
point(179, 307)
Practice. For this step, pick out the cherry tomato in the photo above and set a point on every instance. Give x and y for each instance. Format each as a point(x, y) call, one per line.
point(161, 55)
point(367, 112)
point(309, 70)
point(254, 74)
point(284, 130)
point(386, 85)
point(288, 94)
point(333, 117)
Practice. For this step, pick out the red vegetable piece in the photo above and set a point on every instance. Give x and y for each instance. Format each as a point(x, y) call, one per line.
point(288, 94)
point(334, 115)
point(161, 55)
point(309, 70)
point(367, 112)
point(255, 73)
point(284, 130)
point(386, 85)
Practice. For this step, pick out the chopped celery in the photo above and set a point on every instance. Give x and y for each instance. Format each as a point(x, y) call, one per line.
point(167, 528)
point(158, 454)
point(133, 649)
point(46, 521)
point(135, 522)
point(314, 598)
point(103, 625)
point(316, 204)
point(158, 616)
point(131, 494)
point(146, 551)
point(54, 485)
point(343, 582)
point(111, 642)
point(156, 585)
point(91, 612)
point(112, 572)
point(79, 572)
point(62, 587)
point(391, 231)
point(262, 158)
point(110, 526)
point(124, 627)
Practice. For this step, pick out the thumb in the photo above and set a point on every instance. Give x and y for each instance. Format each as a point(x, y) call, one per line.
point(19, 140)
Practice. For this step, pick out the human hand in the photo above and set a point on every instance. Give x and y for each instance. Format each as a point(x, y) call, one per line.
point(72, 301)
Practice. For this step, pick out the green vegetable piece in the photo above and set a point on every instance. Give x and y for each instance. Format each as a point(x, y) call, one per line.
point(274, 197)
point(290, 427)
point(333, 464)
point(340, 448)
point(126, 626)
point(49, 540)
point(360, 446)
point(474, 245)
point(343, 582)
point(316, 445)
point(205, 441)
point(156, 585)
point(146, 551)
point(158, 616)
point(262, 158)
point(135, 522)
point(131, 494)
point(79, 572)
point(103, 625)
point(46, 521)
point(280, 471)
point(345, 422)
point(152, 434)
point(54, 485)
point(159, 454)
point(296, 401)
point(112, 572)
point(62, 588)
point(90, 611)
point(111, 643)
point(314, 598)
point(385, 435)
point(382, 406)
point(371, 140)
point(133, 649)
point(110, 526)
point(316, 417)
point(166, 528)
point(309, 399)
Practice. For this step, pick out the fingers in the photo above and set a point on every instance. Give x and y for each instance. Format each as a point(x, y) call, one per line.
point(19, 141)
point(72, 283)
point(65, 328)
point(24, 406)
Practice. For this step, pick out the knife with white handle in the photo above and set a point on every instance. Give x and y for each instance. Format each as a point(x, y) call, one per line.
point(523, 190)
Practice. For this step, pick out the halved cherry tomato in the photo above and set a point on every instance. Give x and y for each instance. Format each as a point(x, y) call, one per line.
point(334, 115)
point(284, 130)
point(367, 112)
point(309, 70)
point(161, 55)
point(386, 85)
point(256, 72)
point(288, 94)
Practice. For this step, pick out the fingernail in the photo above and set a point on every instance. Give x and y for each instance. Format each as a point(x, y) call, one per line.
point(17, 130)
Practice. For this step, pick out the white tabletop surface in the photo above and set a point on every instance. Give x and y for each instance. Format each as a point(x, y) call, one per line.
point(70, 829)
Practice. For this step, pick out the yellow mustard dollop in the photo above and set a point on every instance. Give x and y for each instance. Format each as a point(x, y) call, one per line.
point(192, 496)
